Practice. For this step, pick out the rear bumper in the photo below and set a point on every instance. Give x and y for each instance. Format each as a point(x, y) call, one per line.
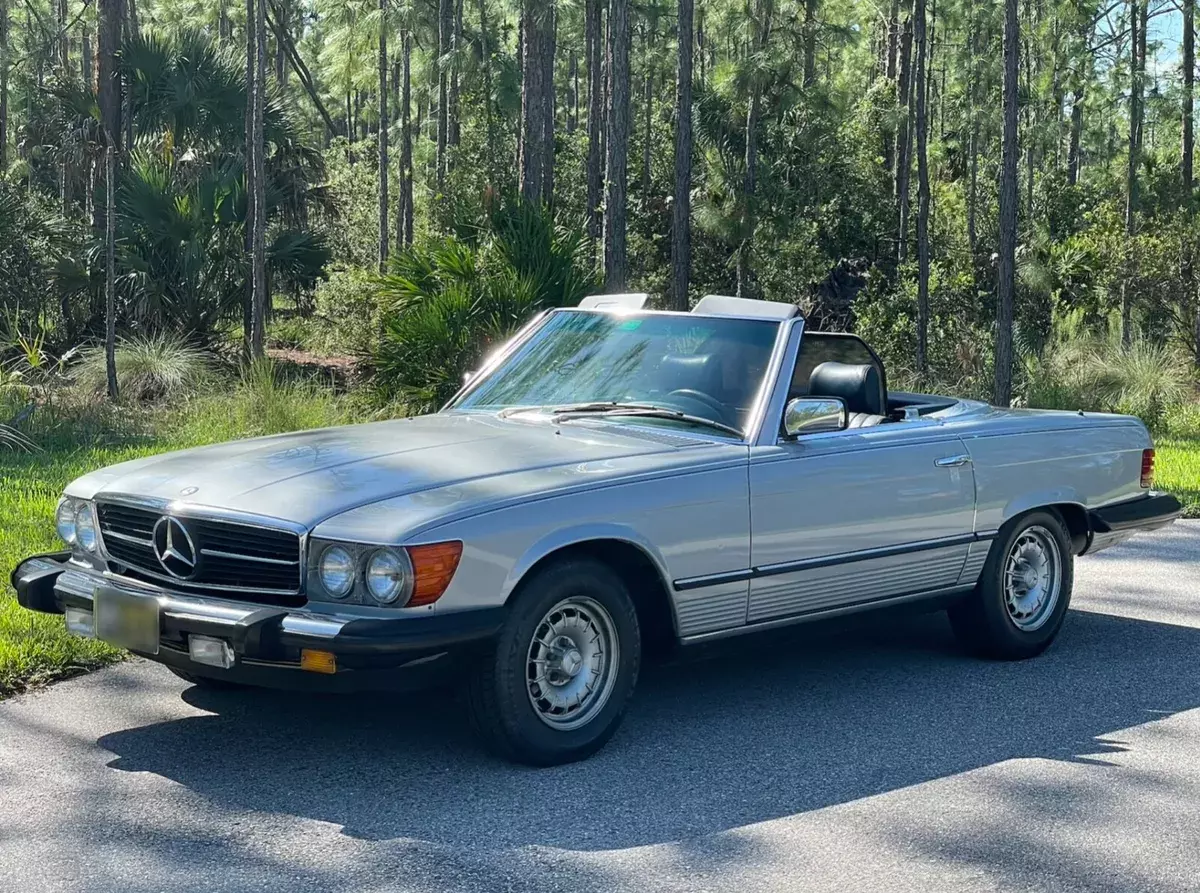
point(1115, 523)
point(370, 652)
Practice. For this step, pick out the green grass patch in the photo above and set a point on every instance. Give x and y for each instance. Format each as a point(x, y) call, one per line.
point(1177, 470)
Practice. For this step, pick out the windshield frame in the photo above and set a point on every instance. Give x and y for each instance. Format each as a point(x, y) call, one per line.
point(754, 422)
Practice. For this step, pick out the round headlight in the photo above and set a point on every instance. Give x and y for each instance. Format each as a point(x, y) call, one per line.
point(85, 527)
point(64, 520)
point(337, 571)
point(389, 574)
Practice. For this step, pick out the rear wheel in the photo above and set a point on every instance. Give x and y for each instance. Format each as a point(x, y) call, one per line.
point(554, 687)
point(1022, 596)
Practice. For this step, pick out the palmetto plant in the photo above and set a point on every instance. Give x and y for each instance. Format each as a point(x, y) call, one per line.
point(445, 303)
point(180, 199)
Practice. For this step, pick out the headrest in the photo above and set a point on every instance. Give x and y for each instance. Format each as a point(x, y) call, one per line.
point(697, 372)
point(858, 386)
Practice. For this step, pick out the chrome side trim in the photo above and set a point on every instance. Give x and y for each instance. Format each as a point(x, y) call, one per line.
point(713, 580)
point(787, 567)
point(825, 613)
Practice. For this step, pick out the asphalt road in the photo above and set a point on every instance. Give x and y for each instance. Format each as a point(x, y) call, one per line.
point(859, 757)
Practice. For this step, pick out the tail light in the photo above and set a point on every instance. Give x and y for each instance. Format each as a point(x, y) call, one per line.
point(1147, 469)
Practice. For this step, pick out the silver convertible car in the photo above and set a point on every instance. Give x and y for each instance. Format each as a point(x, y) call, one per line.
point(611, 481)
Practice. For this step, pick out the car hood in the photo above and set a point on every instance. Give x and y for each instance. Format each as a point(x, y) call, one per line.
point(310, 476)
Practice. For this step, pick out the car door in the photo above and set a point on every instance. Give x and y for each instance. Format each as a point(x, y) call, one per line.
point(847, 518)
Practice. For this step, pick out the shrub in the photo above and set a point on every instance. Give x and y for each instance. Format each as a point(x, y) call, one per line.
point(267, 402)
point(446, 302)
point(149, 367)
point(1143, 379)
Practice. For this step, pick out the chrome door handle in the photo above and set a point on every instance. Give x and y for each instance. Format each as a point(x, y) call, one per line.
point(952, 461)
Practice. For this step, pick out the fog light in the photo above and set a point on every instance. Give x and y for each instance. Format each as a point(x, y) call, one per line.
point(80, 622)
point(318, 661)
point(210, 652)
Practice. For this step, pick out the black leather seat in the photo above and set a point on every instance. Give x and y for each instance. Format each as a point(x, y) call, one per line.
point(697, 372)
point(859, 387)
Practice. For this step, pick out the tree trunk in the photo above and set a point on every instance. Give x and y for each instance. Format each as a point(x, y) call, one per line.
point(972, 147)
point(1007, 261)
point(1189, 77)
point(283, 38)
point(109, 30)
point(617, 139)
point(283, 23)
point(110, 270)
point(903, 140)
point(810, 42)
point(893, 52)
point(445, 25)
point(573, 99)
point(762, 34)
point(922, 193)
point(454, 135)
point(1132, 186)
point(4, 86)
point(537, 27)
point(384, 121)
point(1187, 153)
point(647, 121)
point(681, 208)
point(485, 55)
point(404, 226)
point(549, 105)
point(595, 120)
point(258, 254)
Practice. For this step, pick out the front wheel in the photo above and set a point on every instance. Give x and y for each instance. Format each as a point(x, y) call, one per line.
point(1022, 596)
point(554, 687)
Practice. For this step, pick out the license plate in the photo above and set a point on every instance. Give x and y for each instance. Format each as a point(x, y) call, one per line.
point(130, 621)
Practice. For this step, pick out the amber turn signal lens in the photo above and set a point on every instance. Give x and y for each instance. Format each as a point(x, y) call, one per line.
point(433, 568)
point(318, 661)
point(1147, 469)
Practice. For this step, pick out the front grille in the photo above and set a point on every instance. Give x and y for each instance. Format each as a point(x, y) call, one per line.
point(231, 556)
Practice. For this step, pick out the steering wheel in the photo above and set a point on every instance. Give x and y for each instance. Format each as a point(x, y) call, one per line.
point(715, 406)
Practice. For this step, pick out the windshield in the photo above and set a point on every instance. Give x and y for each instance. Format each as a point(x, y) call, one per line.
point(702, 366)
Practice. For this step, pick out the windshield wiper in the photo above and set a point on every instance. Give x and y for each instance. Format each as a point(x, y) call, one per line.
point(642, 410)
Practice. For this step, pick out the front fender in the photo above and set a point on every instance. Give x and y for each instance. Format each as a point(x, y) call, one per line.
point(574, 535)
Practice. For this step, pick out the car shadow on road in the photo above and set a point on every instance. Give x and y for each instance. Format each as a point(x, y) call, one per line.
point(745, 732)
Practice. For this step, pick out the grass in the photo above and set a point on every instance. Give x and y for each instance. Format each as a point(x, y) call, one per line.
point(73, 438)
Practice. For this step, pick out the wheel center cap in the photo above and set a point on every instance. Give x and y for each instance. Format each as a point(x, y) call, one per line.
point(1029, 579)
point(572, 662)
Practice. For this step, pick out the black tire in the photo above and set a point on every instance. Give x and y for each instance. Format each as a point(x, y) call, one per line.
point(498, 691)
point(207, 682)
point(982, 621)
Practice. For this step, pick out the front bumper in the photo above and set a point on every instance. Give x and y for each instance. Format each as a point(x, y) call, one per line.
point(267, 641)
point(1112, 524)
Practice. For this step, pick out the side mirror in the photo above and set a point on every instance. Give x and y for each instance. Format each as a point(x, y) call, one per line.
point(813, 415)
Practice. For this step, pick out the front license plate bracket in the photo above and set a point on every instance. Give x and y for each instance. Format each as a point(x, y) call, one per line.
point(127, 620)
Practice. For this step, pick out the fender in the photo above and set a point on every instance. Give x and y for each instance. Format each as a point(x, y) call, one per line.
point(1040, 498)
point(570, 536)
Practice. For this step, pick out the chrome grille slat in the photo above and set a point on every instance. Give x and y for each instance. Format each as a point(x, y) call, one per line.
point(253, 562)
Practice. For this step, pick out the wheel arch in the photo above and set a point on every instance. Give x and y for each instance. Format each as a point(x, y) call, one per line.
point(639, 565)
point(1073, 514)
